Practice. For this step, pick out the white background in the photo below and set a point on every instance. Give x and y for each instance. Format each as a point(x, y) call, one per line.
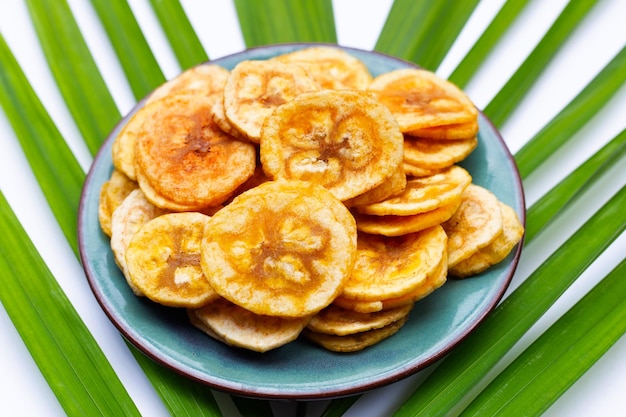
point(23, 391)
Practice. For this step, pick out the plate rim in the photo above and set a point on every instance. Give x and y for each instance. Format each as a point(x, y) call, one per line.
point(403, 371)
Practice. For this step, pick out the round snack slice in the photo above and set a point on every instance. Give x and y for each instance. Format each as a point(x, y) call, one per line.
point(255, 88)
point(112, 194)
point(357, 341)
point(343, 140)
point(236, 326)
point(127, 219)
point(201, 80)
point(447, 132)
point(437, 154)
point(340, 321)
point(496, 251)
point(283, 248)
point(476, 224)
point(184, 160)
point(420, 99)
point(332, 68)
point(423, 194)
point(163, 260)
point(388, 267)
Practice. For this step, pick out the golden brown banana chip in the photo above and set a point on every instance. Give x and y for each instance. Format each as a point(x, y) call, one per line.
point(420, 99)
point(496, 251)
point(394, 185)
point(220, 119)
point(284, 248)
point(127, 219)
point(447, 132)
point(201, 80)
point(112, 194)
point(476, 224)
point(163, 260)
point(182, 156)
point(255, 88)
point(340, 321)
point(236, 326)
point(388, 267)
point(437, 154)
point(423, 194)
point(357, 341)
point(343, 140)
point(391, 225)
point(418, 172)
point(123, 149)
point(332, 68)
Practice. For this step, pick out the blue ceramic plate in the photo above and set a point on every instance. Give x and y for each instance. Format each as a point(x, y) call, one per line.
point(301, 370)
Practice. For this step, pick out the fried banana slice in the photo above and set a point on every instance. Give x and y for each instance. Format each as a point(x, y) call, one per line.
point(332, 68)
point(420, 99)
point(343, 140)
point(496, 251)
point(163, 260)
point(219, 117)
point(423, 194)
point(418, 172)
point(284, 248)
point(476, 224)
point(340, 321)
point(391, 225)
point(255, 88)
point(123, 149)
point(394, 185)
point(112, 194)
point(127, 219)
point(236, 326)
point(357, 341)
point(184, 161)
point(388, 267)
point(201, 80)
point(447, 132)
point(434, 154)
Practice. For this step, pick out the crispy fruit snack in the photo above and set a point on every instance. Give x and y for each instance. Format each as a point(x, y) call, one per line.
point(284, 248)
point(344, 140)
point(237, 195)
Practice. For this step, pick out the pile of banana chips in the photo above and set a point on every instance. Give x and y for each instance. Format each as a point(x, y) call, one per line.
point(299, 195)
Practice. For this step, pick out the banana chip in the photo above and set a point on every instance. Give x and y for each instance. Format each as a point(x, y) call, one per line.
point(112, 194)
point(476, 224)
point(255, 88)
point(163, 260)
point(420, 99)
point(357, 341)
point(343, 140)
point(283, 248)
point(332, 68)
point(496, 251)
point(388, 267)
point(419, 172)
point(201, 80)
point(184, 161)
point(127, 219)
point(423, 194)
point(236, 326)
point(447, 132)
point(340, 321)
point(437, 154)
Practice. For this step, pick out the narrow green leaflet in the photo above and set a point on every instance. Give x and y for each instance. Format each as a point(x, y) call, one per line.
point(509, 96)
point(66, 353)
point(51, 160)
point(136, 58)
point(280, 21)
point(485, 44)
point(73, 67)
point(181, 35)
point(422, 31)
point(574, 116)
point(459, 372)
point(561, 355)
point(548, 206)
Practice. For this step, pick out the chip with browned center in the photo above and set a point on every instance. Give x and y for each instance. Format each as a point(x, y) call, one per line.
point(437, 154)
point(343, 140)
point(340, 321)
point(163, 260)
point(284, 248)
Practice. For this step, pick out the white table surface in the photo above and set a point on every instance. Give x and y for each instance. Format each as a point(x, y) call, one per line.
point(600, 392)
